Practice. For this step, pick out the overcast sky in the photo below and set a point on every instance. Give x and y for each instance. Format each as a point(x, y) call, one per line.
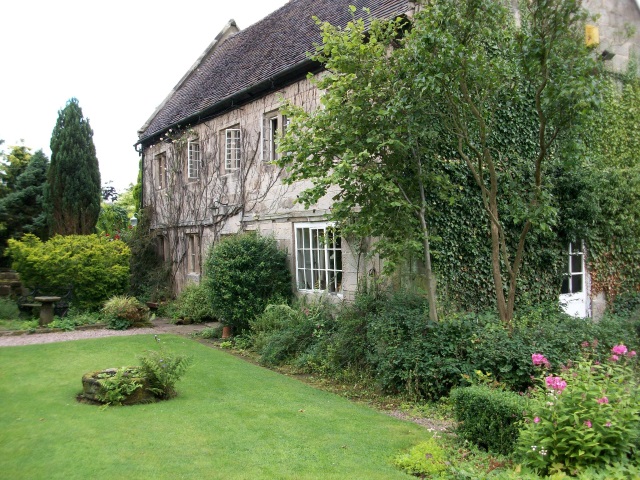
point(120, 59)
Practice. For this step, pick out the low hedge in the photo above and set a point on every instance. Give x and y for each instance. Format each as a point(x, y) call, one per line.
point(488, 417)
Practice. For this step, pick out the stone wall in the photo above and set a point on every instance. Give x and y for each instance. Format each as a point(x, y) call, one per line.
point(615, 18)
point(223, 202)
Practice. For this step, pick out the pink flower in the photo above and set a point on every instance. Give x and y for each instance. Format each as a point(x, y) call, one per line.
point(614, 358)
point(584, 344)
point(539, 359)
point(556, 383)
point(536, 420)
point(603, 400)
point(632, 353)
point(619, 349)
point(608, 424)
point(588, 423)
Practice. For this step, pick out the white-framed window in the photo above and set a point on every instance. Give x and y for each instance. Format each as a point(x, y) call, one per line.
point(271, 133)
point(318, 258)
point(193, 159)
point(232, 149)
point(274, 127)
point(573, 280)
point(193, 253)
point(161, 170)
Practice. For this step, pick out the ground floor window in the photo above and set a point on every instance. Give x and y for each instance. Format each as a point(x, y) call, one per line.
point(193, 253)
point(318, 258)
point(573, 279)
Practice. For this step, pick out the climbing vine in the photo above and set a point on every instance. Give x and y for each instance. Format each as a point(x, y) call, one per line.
point(613, 171)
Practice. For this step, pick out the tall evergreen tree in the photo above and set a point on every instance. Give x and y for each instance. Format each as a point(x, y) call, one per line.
point(21, 208)
point(72, 193)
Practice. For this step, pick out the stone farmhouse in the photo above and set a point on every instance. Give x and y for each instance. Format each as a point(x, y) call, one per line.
point(206, 150)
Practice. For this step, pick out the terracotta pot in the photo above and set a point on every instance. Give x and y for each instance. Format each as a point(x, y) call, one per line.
point(226, 331)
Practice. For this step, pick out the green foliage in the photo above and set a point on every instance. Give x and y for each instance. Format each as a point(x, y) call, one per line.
point(387, 337)
point(163, 369)
point(613, 171)
point(282, 334)
point(96, 267)
point(242, 273)
point(21, 208)
point(75, 318)
point(425, 459)
point(72, 193)
point(464, 73)
point(150, 276)
point(588, 417)
point(113, 221)
point(209, 333)
point(488, 417)
point(193, 303)
point(8, 309)
point(369, 139)
point(122, 312)
point(116, 387)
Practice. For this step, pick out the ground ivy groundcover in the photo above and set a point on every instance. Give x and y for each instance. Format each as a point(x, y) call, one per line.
point(230, 420)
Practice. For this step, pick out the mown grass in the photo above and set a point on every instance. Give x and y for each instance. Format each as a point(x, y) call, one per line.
point(231, 420)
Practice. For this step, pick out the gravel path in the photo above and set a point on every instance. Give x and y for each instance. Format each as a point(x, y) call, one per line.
point(160, 325)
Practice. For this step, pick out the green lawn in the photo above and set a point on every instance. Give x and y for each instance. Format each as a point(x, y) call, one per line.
point(231, 420)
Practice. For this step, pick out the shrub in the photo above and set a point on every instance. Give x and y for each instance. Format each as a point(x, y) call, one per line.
point(242, 273)
point(488, 417)
point(193, 303)
point(97, 267)
point(411, 354)
point(426, 459)
point(8, 309)
point(163, 369)
point(297, 335)
point(122, 312)
point(587, 417)
point(281, 333)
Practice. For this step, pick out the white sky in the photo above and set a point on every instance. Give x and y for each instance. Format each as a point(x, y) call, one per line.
point(119, 58)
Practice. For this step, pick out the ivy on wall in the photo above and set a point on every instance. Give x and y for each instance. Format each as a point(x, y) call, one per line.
point(612, 167)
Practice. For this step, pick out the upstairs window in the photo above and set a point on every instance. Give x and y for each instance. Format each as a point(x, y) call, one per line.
point(193, 159)
point(161, 170)
point(274, 127)
point(318, 258)
point(233, 149)
point(271, 137)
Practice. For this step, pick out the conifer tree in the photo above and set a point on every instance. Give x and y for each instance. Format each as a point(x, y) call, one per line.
point(21, 208)
point(72, 193)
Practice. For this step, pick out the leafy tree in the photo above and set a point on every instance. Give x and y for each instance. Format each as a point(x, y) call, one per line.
point(373, 140)
point(464, 85)
point(479, 64)
point(72, 193)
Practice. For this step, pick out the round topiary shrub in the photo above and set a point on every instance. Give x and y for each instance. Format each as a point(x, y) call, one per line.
point(242, 273)
point(122, 312)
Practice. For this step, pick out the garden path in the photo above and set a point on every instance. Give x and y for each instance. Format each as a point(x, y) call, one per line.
point(159, 325)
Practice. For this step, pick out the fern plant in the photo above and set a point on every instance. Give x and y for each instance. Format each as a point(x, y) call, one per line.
point(163, 370)
point(117, 386)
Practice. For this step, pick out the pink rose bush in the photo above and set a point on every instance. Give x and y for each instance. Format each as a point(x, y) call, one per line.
point(587, 418)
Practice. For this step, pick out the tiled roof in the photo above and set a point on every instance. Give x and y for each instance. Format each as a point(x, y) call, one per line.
point(256, 57)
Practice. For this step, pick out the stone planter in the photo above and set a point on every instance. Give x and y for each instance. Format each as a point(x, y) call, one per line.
point(91, 388)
